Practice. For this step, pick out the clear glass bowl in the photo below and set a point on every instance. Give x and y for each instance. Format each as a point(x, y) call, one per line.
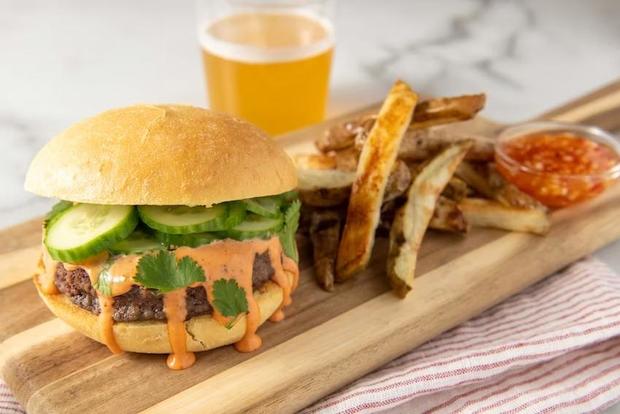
point(556, 189)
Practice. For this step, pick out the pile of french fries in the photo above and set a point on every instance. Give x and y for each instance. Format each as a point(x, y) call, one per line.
point(399, 172)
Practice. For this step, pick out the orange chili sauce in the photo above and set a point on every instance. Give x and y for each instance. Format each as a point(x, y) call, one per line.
point(558, 168)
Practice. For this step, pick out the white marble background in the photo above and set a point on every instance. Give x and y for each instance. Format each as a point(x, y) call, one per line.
point(62, 60)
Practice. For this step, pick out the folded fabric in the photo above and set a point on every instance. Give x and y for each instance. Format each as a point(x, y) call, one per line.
point(549, 349)
point(553, 348)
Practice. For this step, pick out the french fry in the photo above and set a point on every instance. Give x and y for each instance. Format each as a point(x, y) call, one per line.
point(398, 182)
point(346, 159)
point(508, 194)
point(428, 113)
point(343, 135)
point(413, 218)
point(315, 162)
point(487, 181)
point(487, 213)
point(331, 188)
point(325, 234)
point(421, 145)
point(438, 111)
point(375, 164)
point(447, 216)
point(475, 177)
point(456, 189)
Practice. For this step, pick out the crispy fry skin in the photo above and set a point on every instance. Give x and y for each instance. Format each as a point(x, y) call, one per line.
point(331, 188)
point(475, 177)
point(315, 161)
point(446, 110)
point(346, 159)
point(507, 193)
point(421, 145)
point(485, 179)
point(487, 213)
point(413, 218)
point(376, 161)
point(456, 189)
point(325, 197)
point(447, 216)
point(398, 182)
point(325, 234)
point(428, 113)
point(343, 135)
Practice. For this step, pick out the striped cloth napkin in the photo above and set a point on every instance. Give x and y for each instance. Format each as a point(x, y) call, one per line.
point(553, 348)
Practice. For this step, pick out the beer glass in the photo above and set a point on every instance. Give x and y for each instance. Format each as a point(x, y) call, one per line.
point(268, 61)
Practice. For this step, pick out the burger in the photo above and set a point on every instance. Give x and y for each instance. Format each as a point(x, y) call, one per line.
point(174, 233)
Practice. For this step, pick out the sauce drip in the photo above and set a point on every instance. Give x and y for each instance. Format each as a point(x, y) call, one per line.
point(47, 278)
point(94, 267)
point(228, 259)
point(232, 259)
point(176, 311)
point(106, 323)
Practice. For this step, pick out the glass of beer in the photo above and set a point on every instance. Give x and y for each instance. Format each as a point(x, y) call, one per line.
point(268, 61)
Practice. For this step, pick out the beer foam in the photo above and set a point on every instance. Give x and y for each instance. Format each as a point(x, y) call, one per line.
point(266, 54)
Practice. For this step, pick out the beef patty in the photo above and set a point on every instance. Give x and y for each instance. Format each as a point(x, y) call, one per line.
point(141, 304)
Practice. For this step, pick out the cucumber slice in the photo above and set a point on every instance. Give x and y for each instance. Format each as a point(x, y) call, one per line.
point(255, 226)
point(264, 206)
point(236, 213)
point(183, 219)
point(190, 240)
point(138, 242)
point(84, 230)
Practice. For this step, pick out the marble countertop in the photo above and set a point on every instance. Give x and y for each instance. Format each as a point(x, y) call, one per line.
point(67, 59)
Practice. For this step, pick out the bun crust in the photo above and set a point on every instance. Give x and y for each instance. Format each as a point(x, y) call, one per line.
point(151, 337)
point(160, 155)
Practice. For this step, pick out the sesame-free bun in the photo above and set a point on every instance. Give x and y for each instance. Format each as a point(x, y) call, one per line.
point(160, 155)
point(151, 337)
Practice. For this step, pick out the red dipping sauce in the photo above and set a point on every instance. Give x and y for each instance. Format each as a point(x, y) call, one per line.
point(558, 164)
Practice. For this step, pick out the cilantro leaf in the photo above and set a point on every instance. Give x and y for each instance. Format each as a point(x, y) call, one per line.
point(57, 209)
point(229, 298)
point(287, 234)
point(103, 284)
point(164, 273)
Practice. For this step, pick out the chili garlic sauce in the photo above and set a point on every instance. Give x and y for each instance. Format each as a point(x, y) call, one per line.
point(227, 259)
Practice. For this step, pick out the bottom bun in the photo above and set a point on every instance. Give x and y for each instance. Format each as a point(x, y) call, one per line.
point(151, 337)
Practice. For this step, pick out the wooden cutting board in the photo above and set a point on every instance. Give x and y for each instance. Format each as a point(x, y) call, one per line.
point(327, 340)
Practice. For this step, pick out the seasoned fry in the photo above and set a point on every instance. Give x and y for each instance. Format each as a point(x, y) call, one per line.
point(475, 177)
point(325, 197)
point(420, 145)
point(315, 161)
point(398, 182)
point(486, 213)
point(343, 135)
point(325, 234)
point(376, 161)
point(456, 189)
point(488, 182)
point(428, 113)
point(331, 188)
point(413, 218)
point(508, 194)
point(446, 110)
point(447, 216)
point(346, 159)
point(311, 179)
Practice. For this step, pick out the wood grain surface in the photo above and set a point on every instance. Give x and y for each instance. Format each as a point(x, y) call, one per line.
point(327, 339)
